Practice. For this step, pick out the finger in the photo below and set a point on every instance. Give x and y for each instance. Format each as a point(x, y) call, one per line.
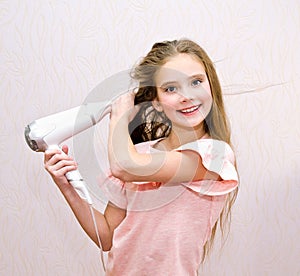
point(60, 174)
point(52, 159)
point(48, 154)
point(135, 90)
point(61, 168)
point(65, 149)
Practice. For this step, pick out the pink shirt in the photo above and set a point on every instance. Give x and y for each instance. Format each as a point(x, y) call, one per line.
point(167, 225)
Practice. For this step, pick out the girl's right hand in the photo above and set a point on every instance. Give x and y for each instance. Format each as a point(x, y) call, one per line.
point(57, 163)
point(123, 107)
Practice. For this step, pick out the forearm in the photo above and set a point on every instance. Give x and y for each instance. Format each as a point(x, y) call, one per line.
point(163, 166)
point(120, 146)
point(57, 163)
point(82, 211)
point(125, 162)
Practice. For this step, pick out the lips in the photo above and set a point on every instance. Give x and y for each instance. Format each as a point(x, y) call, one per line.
point(189, 110)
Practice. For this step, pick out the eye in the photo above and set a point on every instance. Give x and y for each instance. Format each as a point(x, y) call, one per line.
point(170, 89)
point(196, 82)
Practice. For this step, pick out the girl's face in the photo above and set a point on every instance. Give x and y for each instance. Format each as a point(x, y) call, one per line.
point(183, 91)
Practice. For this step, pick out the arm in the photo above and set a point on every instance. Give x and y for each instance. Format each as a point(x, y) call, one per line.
point(129, 165)
point(58, 163)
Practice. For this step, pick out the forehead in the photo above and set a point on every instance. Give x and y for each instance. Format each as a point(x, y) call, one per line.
point(178, 67)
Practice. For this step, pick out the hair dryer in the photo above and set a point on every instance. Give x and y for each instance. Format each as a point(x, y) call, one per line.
point(51, 131)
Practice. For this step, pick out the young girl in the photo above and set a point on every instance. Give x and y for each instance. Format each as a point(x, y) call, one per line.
point(172, 171)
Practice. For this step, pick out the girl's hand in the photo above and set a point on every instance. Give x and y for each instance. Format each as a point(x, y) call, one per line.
point(123, 107)
point(57, 163)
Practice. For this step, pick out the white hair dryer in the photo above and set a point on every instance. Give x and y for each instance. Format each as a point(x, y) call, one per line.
point(51, 131)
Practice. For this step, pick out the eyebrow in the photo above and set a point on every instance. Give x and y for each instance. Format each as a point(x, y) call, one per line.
point(167, 83)
point(200, 75)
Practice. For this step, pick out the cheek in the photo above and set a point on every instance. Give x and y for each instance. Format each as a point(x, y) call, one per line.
point(207, 100)
point(208, 97)
point(206, 87)
point(169, 106)
point(168, 101)
point(205, 93)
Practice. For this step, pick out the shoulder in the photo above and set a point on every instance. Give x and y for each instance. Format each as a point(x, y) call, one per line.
point(211, 149)
point(207, 143)
point(218, 157)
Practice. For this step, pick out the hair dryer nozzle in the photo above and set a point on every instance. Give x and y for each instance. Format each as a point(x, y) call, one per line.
point(31, 143)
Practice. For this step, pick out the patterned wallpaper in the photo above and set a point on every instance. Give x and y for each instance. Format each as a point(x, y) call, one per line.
point(52, 53)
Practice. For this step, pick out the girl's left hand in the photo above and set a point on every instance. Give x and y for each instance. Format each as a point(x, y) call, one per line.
point(123, 107)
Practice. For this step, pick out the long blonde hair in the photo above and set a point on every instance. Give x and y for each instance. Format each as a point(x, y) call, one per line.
point(150, 124)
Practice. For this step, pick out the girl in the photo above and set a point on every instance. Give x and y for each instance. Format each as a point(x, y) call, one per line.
point(172, 171)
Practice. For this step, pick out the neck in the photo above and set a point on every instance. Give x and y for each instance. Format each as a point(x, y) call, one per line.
point(179, 137)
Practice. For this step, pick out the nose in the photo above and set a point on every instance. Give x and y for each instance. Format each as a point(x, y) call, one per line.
point(186, 94)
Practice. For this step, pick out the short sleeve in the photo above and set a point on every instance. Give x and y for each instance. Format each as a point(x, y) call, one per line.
point(217, 156)
point(113, 189)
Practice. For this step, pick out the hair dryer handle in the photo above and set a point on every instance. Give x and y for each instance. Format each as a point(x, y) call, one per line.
point(77, 182)
point(79, 185)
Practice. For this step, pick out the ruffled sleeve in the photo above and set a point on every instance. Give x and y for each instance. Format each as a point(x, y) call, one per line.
point(113, 189)
point(217, 156)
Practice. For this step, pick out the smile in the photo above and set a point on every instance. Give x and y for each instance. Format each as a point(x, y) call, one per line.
point(190, 109)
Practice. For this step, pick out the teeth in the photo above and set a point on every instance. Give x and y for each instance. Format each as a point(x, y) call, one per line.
point(188, 110)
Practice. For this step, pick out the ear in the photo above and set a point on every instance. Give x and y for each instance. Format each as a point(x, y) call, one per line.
point(157, 106)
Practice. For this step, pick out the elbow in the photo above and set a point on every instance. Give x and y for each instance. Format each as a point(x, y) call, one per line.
point(122, 172)
point(106, 247)
point(105, 241)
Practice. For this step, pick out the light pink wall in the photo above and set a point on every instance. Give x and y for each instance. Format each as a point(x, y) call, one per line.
point(52, 53)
